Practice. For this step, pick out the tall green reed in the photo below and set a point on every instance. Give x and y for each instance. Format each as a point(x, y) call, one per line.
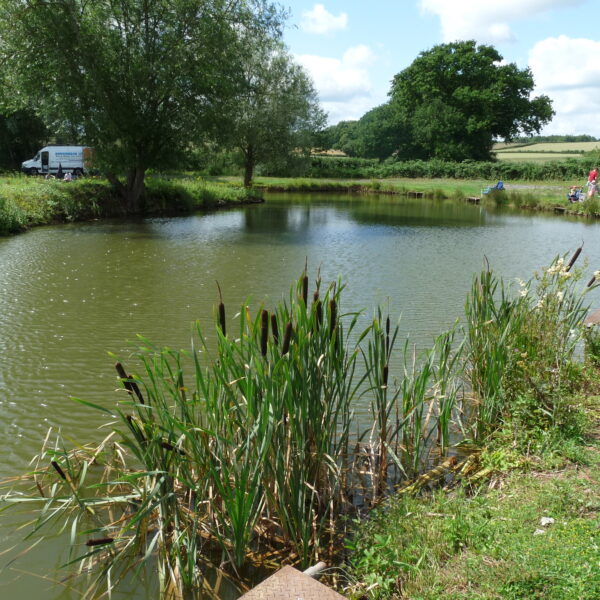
point(522, 343)
point(243, 450)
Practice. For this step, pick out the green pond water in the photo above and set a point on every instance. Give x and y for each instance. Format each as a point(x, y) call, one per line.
point(71, 293)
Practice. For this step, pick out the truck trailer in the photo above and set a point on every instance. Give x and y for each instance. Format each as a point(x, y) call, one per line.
point(51, 159)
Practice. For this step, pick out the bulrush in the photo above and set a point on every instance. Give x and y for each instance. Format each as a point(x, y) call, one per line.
point(319, 313)
point(574, 258)
point(131, 386)
point(252, 461)
point(275, 329)
point(221, 312)
point(57, 468)
point(99, 542)
point(287, 338)
point(332, 316)
point(305, 289)
point(264, 331)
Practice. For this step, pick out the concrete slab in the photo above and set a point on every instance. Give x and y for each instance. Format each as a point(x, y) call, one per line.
point(290, 584)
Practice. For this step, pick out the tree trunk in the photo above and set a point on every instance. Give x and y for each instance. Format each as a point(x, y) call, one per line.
point(132, 190)
point(248, 166)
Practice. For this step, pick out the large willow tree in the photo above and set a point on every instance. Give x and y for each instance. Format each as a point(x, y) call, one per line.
point(138, 79)
point(275, 113)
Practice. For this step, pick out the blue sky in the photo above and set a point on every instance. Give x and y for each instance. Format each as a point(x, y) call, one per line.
point(353, 48)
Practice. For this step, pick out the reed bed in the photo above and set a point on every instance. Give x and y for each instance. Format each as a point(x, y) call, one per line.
point(242, 453)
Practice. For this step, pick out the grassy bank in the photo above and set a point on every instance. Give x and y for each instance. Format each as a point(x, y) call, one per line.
point(28, 201)
point(542, 195)
point(533, 533)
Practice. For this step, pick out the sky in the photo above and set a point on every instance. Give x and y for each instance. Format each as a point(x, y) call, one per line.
point(353, 48)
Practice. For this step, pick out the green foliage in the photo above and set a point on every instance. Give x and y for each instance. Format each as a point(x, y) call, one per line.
point(520, 347)
point(361, 168)
point(248, 439)
point(245, 445)
point(275, 113)
point(457, 98)
point(22, 134)
point(136, 80)
point(378, 134)
point(537, 139)
point(591, 336)
point(451, 103)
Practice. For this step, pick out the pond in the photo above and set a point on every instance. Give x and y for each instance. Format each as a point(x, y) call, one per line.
point(70, 294)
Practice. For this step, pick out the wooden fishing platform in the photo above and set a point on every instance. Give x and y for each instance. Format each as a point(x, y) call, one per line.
point(593, 317)
point(473, 199)
point(415, 194)
point(290, 584)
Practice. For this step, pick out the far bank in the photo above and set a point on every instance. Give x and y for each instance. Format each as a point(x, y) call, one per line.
point(29, 201)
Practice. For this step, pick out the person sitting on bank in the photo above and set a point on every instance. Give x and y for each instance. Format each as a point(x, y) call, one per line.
point(592, 177)
point(575, 194)
point(68, 176)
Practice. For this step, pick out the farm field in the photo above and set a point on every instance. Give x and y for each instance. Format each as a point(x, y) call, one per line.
point(562, 147)
point(531, 156)
point(544, 151)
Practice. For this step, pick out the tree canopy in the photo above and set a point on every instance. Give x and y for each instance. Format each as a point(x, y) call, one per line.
point(275, 112)
point(22, 134)
point(137, 79)
point(451, 103)
point(456, 98)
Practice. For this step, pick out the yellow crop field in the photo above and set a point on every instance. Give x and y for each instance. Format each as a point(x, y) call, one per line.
point(548, 147)
point(516, 156)
point(563, 146)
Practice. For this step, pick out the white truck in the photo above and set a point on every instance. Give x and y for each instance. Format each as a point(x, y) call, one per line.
point(52, 159)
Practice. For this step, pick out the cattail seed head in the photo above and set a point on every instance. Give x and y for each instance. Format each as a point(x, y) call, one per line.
point(332, 316)
point(100, 542)
point(123, 377)
point(574, 258)
point(305, 289)
point(319, 313)
point(287, 338)
point(136, 390)
point(275, 329)
point(222, 318)
point(59, 470)
point(264, 332)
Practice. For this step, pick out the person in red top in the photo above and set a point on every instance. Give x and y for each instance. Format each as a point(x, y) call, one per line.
point(591, 182)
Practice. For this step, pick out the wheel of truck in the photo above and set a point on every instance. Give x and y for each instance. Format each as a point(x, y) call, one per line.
point(33, 171)
point(77, 172)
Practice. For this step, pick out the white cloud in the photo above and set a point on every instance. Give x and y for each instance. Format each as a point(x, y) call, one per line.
point(320, 20)
point(568, 71)
point(344, 85)
point(487, 21)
